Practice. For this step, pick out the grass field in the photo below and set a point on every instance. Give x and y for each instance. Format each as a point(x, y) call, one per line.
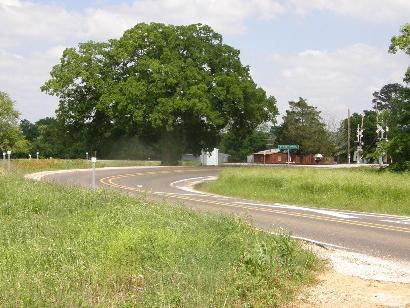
point(62, 246)
point(26, 165)
point(350, 189)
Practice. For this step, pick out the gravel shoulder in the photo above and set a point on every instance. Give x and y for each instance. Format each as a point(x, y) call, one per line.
point(355, 280)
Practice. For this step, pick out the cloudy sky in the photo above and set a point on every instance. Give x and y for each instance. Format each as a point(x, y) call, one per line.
point(332, 52)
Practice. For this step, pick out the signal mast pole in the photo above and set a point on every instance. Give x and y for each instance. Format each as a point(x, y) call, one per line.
point(381, 131)
point(360, 143)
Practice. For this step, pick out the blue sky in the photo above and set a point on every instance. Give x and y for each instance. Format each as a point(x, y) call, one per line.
point(333, 52)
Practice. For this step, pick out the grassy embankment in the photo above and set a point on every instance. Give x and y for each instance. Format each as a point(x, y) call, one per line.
point(26, 165)
point(350, 189)
point(63, 246)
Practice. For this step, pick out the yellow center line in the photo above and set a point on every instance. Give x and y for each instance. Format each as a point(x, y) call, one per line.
point(363, 224)
point(119, 176)
point(109, 182)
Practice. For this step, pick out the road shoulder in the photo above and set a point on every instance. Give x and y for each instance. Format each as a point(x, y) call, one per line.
point(354, 280)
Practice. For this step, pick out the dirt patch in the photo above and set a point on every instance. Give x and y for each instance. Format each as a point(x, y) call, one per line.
point(338, 290)
point(355, 280)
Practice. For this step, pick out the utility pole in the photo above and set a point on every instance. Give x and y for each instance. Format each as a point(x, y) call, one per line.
point(348, 135)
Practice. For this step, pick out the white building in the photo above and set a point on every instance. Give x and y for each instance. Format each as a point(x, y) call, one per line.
point(213, 158)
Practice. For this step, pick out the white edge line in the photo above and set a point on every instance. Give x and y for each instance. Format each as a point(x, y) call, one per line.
point(298, 208)
point(189, 188)
point(172, 184)
point(346, 212)
point(37, 176)
point(318, 242)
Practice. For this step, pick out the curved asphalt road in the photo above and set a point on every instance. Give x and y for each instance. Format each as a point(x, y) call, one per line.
point(386, 236)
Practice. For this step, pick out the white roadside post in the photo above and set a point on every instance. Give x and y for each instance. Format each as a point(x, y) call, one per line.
point(37, 154)
point(8, 160)
point(86, 155)
point(4, 156)
point(93, 162)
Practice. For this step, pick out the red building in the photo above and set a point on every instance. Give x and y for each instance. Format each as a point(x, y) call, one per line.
point(274, 156)
point(270, 157)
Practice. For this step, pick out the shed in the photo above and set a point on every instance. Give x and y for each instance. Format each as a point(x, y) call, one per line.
point(271, 156)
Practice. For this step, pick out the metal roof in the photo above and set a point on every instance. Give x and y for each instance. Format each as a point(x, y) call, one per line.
point(269, 151)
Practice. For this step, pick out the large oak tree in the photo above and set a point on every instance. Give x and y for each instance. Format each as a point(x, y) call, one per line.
point(175, 86)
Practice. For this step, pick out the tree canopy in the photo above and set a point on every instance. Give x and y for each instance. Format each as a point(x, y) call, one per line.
point(239, 148)
point(399, 146)
point(369, 134)
point(402, 42)
point(382, 99)
point(176, 86)
point(303, 125)
point(11, 138)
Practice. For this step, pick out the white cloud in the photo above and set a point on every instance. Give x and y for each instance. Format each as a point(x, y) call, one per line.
point(24, 20)
point(374, 10)
point(332, 81)
point(21, 76)
point(10, 2)
point(27, 21)
point(33, 35)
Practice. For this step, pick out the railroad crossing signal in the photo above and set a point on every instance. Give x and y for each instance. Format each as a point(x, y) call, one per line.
point(380, 132)
point(359, 135)
point(359, 152)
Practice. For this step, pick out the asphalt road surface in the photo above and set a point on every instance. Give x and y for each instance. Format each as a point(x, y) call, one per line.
point(386, 236)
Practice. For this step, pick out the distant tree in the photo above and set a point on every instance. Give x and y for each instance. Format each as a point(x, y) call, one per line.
point(239, 148)
point(382, 99)
point(48, 140)
point(304, 126)
point(11, 138)
point(53, 140)
point(402, 42)
point(399, 120)
point(28, 129)
point(175, 86)
point(369, 135)
point(125, 147)
point(399, 145)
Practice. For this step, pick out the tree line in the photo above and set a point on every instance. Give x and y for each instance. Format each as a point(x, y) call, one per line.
point(162, 90)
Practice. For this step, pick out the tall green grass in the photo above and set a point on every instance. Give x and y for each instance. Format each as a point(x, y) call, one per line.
point(350, 189)
point(32, 165)
point(62, 246)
